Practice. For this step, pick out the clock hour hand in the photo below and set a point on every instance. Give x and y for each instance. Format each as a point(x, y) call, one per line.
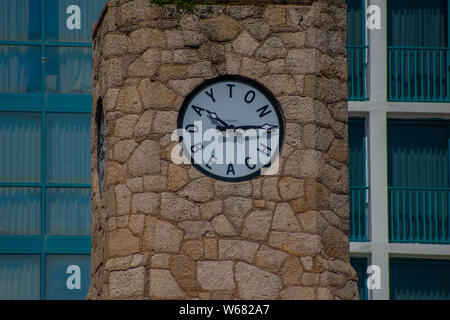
point(215, 119)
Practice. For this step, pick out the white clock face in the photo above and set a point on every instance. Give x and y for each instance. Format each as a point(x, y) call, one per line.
point(231, 128)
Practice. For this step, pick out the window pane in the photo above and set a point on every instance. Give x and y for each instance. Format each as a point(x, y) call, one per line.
point(20, 211)
point(19, 20)
point(67, 277)
point(418, 154)
point(356, 161)
point(360, 266)
point(417, 23)
point(355, 27)
point(69, 147)
point(68, 70)
point(19, 277)
point(71, 20)
point(419, 279)
point(20, 147)
point(20, 69)
point(68, 211)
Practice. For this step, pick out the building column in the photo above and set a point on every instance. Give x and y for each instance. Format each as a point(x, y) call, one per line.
point(378, 152)
point(378, 215)
point(377, 39)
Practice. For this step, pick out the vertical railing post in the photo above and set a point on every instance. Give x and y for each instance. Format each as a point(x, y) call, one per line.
point(391, 214)
point(358, 213)
point(410, 209)
point(447, 72)
point(422, 76)
point(441, 75)
point(415, 77)
point(397, 95)
point(389, 72)
point(408, 95)
point(447, 66)
point(364, 52)
point(417, 217)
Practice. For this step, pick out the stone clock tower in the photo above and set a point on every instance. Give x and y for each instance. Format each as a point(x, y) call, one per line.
point(165, 229)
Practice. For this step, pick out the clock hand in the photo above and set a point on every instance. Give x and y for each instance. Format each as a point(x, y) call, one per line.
point(214, 118)
point(267, 127)
point(248, 127)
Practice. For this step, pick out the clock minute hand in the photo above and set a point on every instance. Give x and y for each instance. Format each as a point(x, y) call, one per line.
point(248, 127)
point(267, 127)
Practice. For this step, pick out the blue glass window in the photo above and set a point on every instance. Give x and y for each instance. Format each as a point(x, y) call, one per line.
point(356, 49)
point(357, 153)
point(417, 23)
point(20, 69)
point(419, 279)
point(71, 20)
point(19, 277)
point(360, 266)
point(68, 147)
point(26, 22)
point(67, 277)
point(45, 101)
point(68, 211)
point(418, 177)
point(20, 211)
point(20, 147)
point(68, 70)
point(418, 154)
point(355, 22)
point(357, 179)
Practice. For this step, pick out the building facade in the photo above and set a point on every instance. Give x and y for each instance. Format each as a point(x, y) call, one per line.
point(398, 61)
point(398, 71)
point(45, 156)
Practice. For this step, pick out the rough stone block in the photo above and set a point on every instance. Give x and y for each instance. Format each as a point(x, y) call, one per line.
point(215, 275)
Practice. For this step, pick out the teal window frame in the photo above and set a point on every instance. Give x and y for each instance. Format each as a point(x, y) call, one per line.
point(357, 60)
point(424, 210)
point(45, 104)
point(359, 194)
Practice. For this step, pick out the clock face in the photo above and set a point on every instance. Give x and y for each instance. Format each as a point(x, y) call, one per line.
point(230, 128)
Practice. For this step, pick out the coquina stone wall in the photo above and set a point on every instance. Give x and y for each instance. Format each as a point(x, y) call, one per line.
point(166, 231)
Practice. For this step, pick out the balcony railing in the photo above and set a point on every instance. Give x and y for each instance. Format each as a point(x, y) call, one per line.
point(356, 62)
point(419, 215)
point(418, 74)
point(358, 214)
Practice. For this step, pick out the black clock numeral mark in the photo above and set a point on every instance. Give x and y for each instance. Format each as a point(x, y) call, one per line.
point(210, 162)
point(249, 96)
point(192, 128)
point(196, 147)
point(230, 169)
point(251, 167)
point(211, 94)
point(264, 149)
point(198, 110)
point(230, 85)
point(267, 165)
point(263, 111)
